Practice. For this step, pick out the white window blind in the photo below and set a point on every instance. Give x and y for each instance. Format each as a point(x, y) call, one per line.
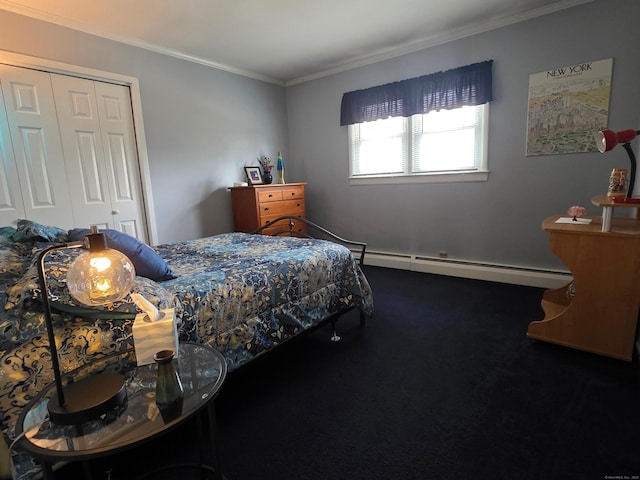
point(425, 144)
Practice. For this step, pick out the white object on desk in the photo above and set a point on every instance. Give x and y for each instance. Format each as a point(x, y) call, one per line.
point(583, 221)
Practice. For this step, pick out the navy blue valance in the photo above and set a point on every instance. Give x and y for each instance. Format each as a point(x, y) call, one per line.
point(458, 87)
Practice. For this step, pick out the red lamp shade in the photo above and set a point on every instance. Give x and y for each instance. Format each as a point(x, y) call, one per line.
point(608, 139)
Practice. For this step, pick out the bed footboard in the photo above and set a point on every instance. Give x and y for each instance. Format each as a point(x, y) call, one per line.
point(313, 231)
point(286, 227)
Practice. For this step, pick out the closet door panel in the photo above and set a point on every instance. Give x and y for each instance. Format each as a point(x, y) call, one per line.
point(77, 113)
point(118, 156)
point(36, 165)
point(11, 206)
point(33, 127)
point(89, 169)
point(121, 158)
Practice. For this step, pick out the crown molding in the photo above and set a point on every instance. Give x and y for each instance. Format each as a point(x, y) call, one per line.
point(435, 40)
point(379, 56)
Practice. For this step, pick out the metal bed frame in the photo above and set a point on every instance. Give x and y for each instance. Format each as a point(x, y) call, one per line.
point(357, 248)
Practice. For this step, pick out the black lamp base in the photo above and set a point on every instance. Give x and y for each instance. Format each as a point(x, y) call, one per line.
point(87, 399)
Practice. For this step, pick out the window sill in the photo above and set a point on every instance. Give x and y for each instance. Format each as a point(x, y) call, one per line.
point(446, 177)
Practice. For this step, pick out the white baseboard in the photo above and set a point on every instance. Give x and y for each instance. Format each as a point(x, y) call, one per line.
point(467, 269)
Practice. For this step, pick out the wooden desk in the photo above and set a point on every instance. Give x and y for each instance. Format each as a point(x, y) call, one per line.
point(598, 311)
point(607, 209)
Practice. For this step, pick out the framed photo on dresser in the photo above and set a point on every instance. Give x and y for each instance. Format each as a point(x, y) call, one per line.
point(254, 177)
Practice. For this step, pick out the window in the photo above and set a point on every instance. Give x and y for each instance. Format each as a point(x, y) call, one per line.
point(423, 129)
point(449, 143)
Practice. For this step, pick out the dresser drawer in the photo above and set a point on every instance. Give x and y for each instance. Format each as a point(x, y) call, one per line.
point(298, 226)
point(269, 196)
point(285, 207)
point(292, 192)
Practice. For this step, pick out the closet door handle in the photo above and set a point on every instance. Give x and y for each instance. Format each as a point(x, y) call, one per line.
point(115, 212)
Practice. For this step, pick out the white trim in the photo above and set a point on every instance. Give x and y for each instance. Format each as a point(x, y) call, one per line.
point(439, 177)
point(439, 39)
point(19, 60)
point(134, 42)
point(484, 155)
point(379, 56)
point(143, 161)
point(517, 275)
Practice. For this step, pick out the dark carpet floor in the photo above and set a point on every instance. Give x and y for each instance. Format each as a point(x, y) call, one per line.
point(441, 384)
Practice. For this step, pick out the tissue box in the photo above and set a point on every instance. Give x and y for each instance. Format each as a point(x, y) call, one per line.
point(151, 337)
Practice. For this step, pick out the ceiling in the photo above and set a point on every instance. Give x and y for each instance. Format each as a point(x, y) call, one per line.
point(284, 41)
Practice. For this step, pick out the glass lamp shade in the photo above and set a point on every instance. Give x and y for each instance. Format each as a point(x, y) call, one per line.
point(100, 277)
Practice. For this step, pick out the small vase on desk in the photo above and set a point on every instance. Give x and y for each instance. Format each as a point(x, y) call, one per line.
point(169, 391)
point(267, 178)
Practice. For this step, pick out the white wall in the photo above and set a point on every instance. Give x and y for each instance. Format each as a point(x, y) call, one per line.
point(496, 221)
point(202, 125)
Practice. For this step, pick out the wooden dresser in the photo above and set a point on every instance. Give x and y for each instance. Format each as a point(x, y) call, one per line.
point(256, 205)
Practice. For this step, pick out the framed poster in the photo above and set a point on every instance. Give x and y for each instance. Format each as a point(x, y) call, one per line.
point(566, 106)
point(253, 175)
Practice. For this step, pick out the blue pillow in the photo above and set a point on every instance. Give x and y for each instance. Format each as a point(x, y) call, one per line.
point(144, 258)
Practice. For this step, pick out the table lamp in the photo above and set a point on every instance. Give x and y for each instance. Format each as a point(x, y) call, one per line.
point(98, 276)
point(606, 140)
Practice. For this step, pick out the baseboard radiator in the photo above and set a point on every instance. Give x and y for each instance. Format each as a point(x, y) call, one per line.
point(469, 269)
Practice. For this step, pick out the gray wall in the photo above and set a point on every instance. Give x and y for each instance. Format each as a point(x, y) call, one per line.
point(496, 221)
point(202, 125)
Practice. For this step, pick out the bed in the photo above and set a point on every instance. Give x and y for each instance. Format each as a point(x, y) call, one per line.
point(244, 294)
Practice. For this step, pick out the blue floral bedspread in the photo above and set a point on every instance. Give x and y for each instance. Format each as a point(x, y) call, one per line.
point(242, 294)
point(245, 294)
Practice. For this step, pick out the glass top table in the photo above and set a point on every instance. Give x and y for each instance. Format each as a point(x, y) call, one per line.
point(202, 371)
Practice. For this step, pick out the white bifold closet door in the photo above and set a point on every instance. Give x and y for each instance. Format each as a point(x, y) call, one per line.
point(37, 180)
point(74, 153)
